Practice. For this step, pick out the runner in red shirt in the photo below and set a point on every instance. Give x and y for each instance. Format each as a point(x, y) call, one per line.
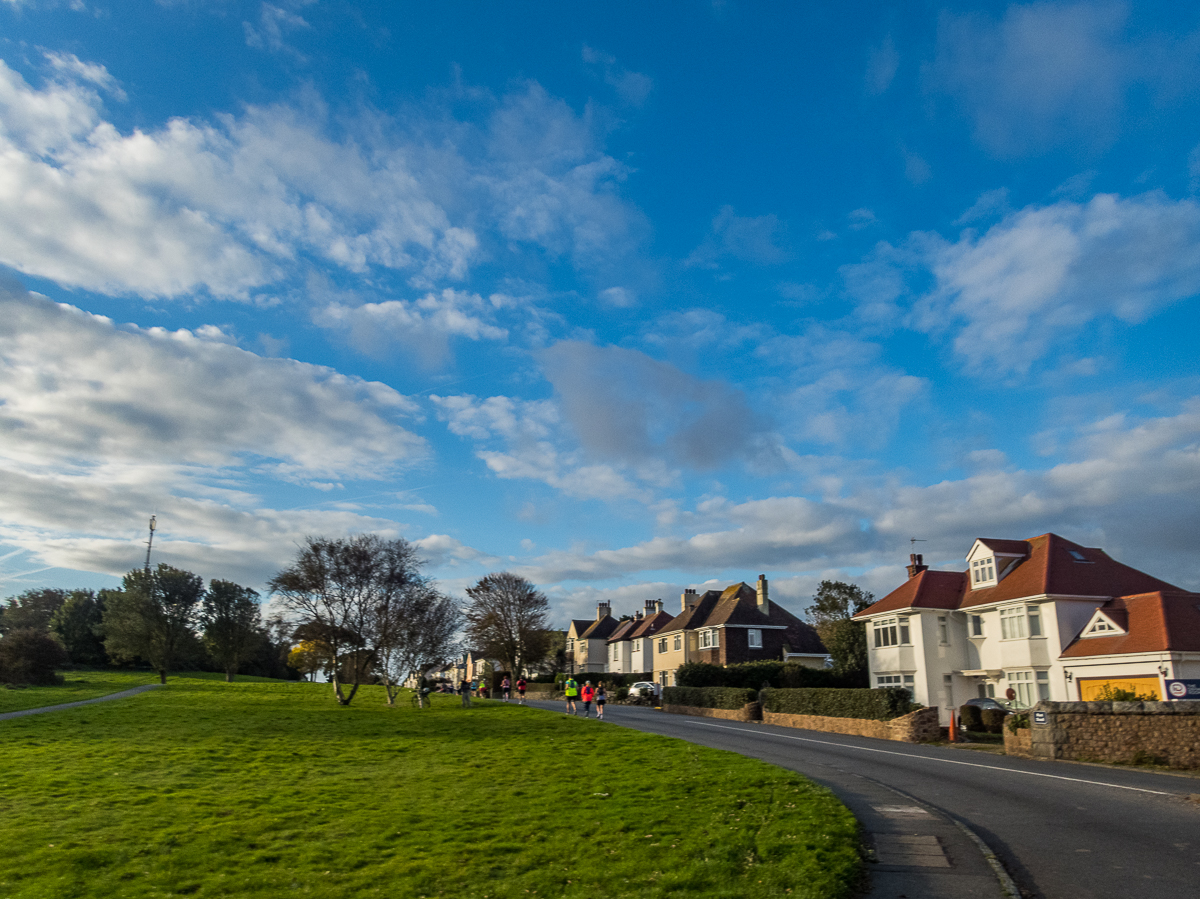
point(587, 695)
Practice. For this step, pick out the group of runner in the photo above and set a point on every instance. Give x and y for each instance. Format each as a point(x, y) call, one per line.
point(587, 696)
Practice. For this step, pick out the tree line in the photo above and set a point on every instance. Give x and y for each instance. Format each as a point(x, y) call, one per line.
point(360, 609)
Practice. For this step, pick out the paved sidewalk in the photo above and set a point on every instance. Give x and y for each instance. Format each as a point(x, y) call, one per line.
point(134, 691)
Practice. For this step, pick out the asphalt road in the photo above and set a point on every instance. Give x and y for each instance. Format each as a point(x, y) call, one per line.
point(1062, 830)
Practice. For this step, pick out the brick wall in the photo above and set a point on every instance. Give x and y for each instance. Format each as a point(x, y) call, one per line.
point(749, 712)
point(920, 726)
point(1166, 733)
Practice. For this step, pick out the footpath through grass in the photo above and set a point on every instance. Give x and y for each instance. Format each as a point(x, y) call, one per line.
point(204, 788)
point(77, 685)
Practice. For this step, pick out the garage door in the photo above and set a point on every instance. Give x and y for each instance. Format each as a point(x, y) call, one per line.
point(1096, 688)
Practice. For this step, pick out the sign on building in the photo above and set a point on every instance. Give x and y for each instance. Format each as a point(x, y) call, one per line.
point(1183, 689)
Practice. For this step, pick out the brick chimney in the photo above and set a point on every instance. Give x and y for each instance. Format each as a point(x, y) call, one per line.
point(650, 608)
point(764, 603)
point(915, 565)
point(603, 610)
point(689, 596)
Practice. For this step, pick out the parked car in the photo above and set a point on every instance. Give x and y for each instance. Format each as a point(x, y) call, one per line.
point(986, 702)
point(643, 688)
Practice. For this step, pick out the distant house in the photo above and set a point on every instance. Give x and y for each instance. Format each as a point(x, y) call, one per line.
point(726, 627)
point(1044, 618)
point(587, 641)
point(630, 649)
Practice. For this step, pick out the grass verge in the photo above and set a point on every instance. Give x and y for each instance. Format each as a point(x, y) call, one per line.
point(204, 788)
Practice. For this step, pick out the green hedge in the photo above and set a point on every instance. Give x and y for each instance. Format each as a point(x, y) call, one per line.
point(752, 675)
point(972, 717)
point(993, 720)
point(709, 697)
point(880, 704)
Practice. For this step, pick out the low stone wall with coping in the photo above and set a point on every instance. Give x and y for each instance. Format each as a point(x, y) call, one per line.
point(920, 726)
point(1165, 733)
point(1019, 743)
point(749, 712)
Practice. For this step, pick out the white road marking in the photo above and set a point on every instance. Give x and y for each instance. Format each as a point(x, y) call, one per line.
point(1080, 780)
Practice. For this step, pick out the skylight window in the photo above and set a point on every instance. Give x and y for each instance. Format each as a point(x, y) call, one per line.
point(1078, 556)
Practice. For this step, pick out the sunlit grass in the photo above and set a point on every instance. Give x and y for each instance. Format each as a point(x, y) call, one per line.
point(211, 789)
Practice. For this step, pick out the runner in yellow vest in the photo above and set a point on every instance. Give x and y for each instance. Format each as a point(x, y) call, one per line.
point(571, 689)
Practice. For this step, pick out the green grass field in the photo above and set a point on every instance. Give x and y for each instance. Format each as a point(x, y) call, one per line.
point(204, 788)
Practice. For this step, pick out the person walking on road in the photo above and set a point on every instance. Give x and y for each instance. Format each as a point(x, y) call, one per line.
point(571, 690)
point(589, 694)
point(505, 688)
point(521, 691)
point(601, 698)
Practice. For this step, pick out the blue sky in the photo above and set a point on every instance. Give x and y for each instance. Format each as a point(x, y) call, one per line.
point(624, 298)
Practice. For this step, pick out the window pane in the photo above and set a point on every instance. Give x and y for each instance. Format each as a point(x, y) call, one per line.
point(1035, 621)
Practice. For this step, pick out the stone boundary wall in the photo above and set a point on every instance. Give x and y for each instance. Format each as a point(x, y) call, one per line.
point(749, 712)
point(1018, 744)
point(1166, 733)
point(920, 726)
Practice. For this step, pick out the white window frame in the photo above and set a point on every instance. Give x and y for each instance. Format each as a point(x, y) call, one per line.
point(678, 641)
point(977, 629)
point(943, 623)
point(662, 644)
point(754, 638)
point(1034, 614)
point(1012, 623)
point(1042, 679)
point(1023, 683)
point(983, 572)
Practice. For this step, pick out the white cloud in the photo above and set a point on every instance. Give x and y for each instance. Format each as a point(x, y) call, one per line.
point(761, 240)
point(1041, 273)
point(882, 66)
point(632, 87)
point(424, 327)
point(1050, 73)
point(273, 21)
point(631, 409)
point(523, 440)
point(238, 203)
point(1132, 487)
point(77, 389)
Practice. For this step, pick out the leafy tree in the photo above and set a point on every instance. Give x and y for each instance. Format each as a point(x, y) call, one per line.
point(309, 657)
point(833, 605)
point(412, 630)
point(152, 616)
point(77, 624)
point(507, 619)
point(337, 586)
point(29, 656)
point(32, 610)
point(230, 617)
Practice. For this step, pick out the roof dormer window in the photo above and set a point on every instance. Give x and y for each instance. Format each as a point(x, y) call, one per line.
point(1102, 626)
point(983, 572)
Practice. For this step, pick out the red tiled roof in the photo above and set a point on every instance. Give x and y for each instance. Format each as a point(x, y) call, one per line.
point(927, 590)
point(1052, 565)
point(1160, 621)
point(1009, 547)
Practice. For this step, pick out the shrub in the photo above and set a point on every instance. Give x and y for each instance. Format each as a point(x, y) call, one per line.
point(993, 720)
point(880, 704)
point(1109, 693)
point(28, 656)
point(1019, 721)
point(709, 697)
point(753, 675)
point(971, 717)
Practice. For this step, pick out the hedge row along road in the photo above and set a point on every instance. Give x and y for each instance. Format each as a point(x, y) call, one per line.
point(1062, 830)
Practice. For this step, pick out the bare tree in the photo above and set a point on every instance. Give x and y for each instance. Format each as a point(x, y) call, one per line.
point(507, 620)
point(338, 586)
point(412, 631)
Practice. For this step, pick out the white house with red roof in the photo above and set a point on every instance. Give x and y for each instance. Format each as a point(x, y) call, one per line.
point(1043, 618)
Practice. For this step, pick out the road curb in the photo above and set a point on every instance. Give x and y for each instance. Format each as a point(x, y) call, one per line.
point(1008, 886)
